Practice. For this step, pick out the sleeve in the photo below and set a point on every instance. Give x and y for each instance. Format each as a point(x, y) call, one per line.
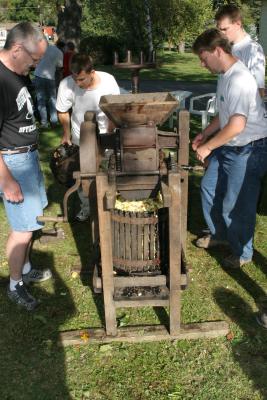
point(113, 87)
point(257, 64)
point(2, 107)
point(1, 118)
point(116, 89)
point(240, 96)
point(65, 95)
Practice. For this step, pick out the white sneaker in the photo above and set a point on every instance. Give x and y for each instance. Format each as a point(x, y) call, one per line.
point(82, 215)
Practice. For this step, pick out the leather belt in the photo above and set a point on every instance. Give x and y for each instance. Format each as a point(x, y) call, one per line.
point(18, 150)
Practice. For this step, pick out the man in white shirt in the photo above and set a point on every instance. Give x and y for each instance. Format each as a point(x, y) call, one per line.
point(81, 92)
point(235, 143)
point(229, 21)
point(45, 84)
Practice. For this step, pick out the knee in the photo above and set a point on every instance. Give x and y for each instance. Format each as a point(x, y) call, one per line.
point(21, 237)
point(206, 187)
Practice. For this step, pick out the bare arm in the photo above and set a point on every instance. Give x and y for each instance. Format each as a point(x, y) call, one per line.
point(64, 119)
point(9, 185)
point(262, 92)
point(234, 127)
point(202, 137)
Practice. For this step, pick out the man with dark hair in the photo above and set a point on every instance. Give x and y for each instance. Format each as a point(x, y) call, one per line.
point(229, 21)
point(21, 180)
point(235, 144)
point(79, 93)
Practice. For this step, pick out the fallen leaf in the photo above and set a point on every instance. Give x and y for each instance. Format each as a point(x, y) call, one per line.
point(230, 336)
point(84, 336)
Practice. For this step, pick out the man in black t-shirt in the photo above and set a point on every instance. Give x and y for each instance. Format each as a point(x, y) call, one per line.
point(21, 180)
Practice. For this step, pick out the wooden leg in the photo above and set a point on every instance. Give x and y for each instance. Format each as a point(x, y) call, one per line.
point(183, 159)
point(106, 255)
point(175, 252)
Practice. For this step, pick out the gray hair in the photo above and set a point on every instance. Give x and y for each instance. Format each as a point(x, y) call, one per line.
point(26, 34)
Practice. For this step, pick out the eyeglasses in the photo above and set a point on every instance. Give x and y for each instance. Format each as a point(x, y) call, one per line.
point(34, 59)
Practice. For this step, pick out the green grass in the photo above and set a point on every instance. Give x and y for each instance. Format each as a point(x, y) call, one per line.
point(170, 66)
point(33, 367)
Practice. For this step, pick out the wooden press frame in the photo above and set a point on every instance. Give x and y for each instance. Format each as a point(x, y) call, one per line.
point(176, 199)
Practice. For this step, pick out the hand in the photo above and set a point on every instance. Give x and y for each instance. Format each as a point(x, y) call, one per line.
point(66, 139)
point(202, 152)
point(12, 191)
point(199, 139)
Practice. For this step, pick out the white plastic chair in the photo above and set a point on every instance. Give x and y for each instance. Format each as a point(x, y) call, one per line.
point(204, 105)
point(181, 96)
point(124, 91)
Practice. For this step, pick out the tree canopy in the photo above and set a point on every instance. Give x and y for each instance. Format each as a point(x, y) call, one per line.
point(121, 24)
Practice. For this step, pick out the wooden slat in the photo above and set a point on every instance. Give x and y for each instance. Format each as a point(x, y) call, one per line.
point(94, 213)
point(113, 230)
point(134, 238)
point(146, 244)
point(127, 240)
point(152, 241)
point(183, 159)
point(141, 303)
point(140, 232)
point(122, 240)
point(106, 255)
point(166, 194)
point(116, 237)
point(131, 281)
point(175, 252)
point(145, 333)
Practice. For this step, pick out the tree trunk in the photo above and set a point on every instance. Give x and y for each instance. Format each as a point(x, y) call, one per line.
point(149, 32)
point(181, 47)
point(69, 21)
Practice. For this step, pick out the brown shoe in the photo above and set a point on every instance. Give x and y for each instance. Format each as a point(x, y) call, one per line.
point(234, 262)
point(207, 241)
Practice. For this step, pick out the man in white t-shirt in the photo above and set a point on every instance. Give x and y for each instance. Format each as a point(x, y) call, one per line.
point(235, 143)
point(79, 93)
point(229, 21)
point(45, 84)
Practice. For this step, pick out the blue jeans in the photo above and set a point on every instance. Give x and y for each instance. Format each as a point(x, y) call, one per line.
point(229, 193)
point(25, 168)
point(46, 95)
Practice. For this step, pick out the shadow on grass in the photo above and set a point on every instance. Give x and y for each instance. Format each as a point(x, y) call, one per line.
point(250, 350)
point(240, 275)
point(195, 216)
point(81, 232)
point(32, 364)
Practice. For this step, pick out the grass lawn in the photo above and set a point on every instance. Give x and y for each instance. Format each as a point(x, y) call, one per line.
point(170, 66)
point(34, 367)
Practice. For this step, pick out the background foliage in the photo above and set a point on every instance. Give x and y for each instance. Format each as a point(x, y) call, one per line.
point(108, 25)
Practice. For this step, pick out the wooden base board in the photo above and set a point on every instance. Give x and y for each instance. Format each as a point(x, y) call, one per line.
point(144, 333)
point(51, 235)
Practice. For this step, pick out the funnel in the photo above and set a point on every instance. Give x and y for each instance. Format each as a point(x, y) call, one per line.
point(138, 109)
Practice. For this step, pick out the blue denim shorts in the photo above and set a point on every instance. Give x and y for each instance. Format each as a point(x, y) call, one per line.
point(25, 169)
